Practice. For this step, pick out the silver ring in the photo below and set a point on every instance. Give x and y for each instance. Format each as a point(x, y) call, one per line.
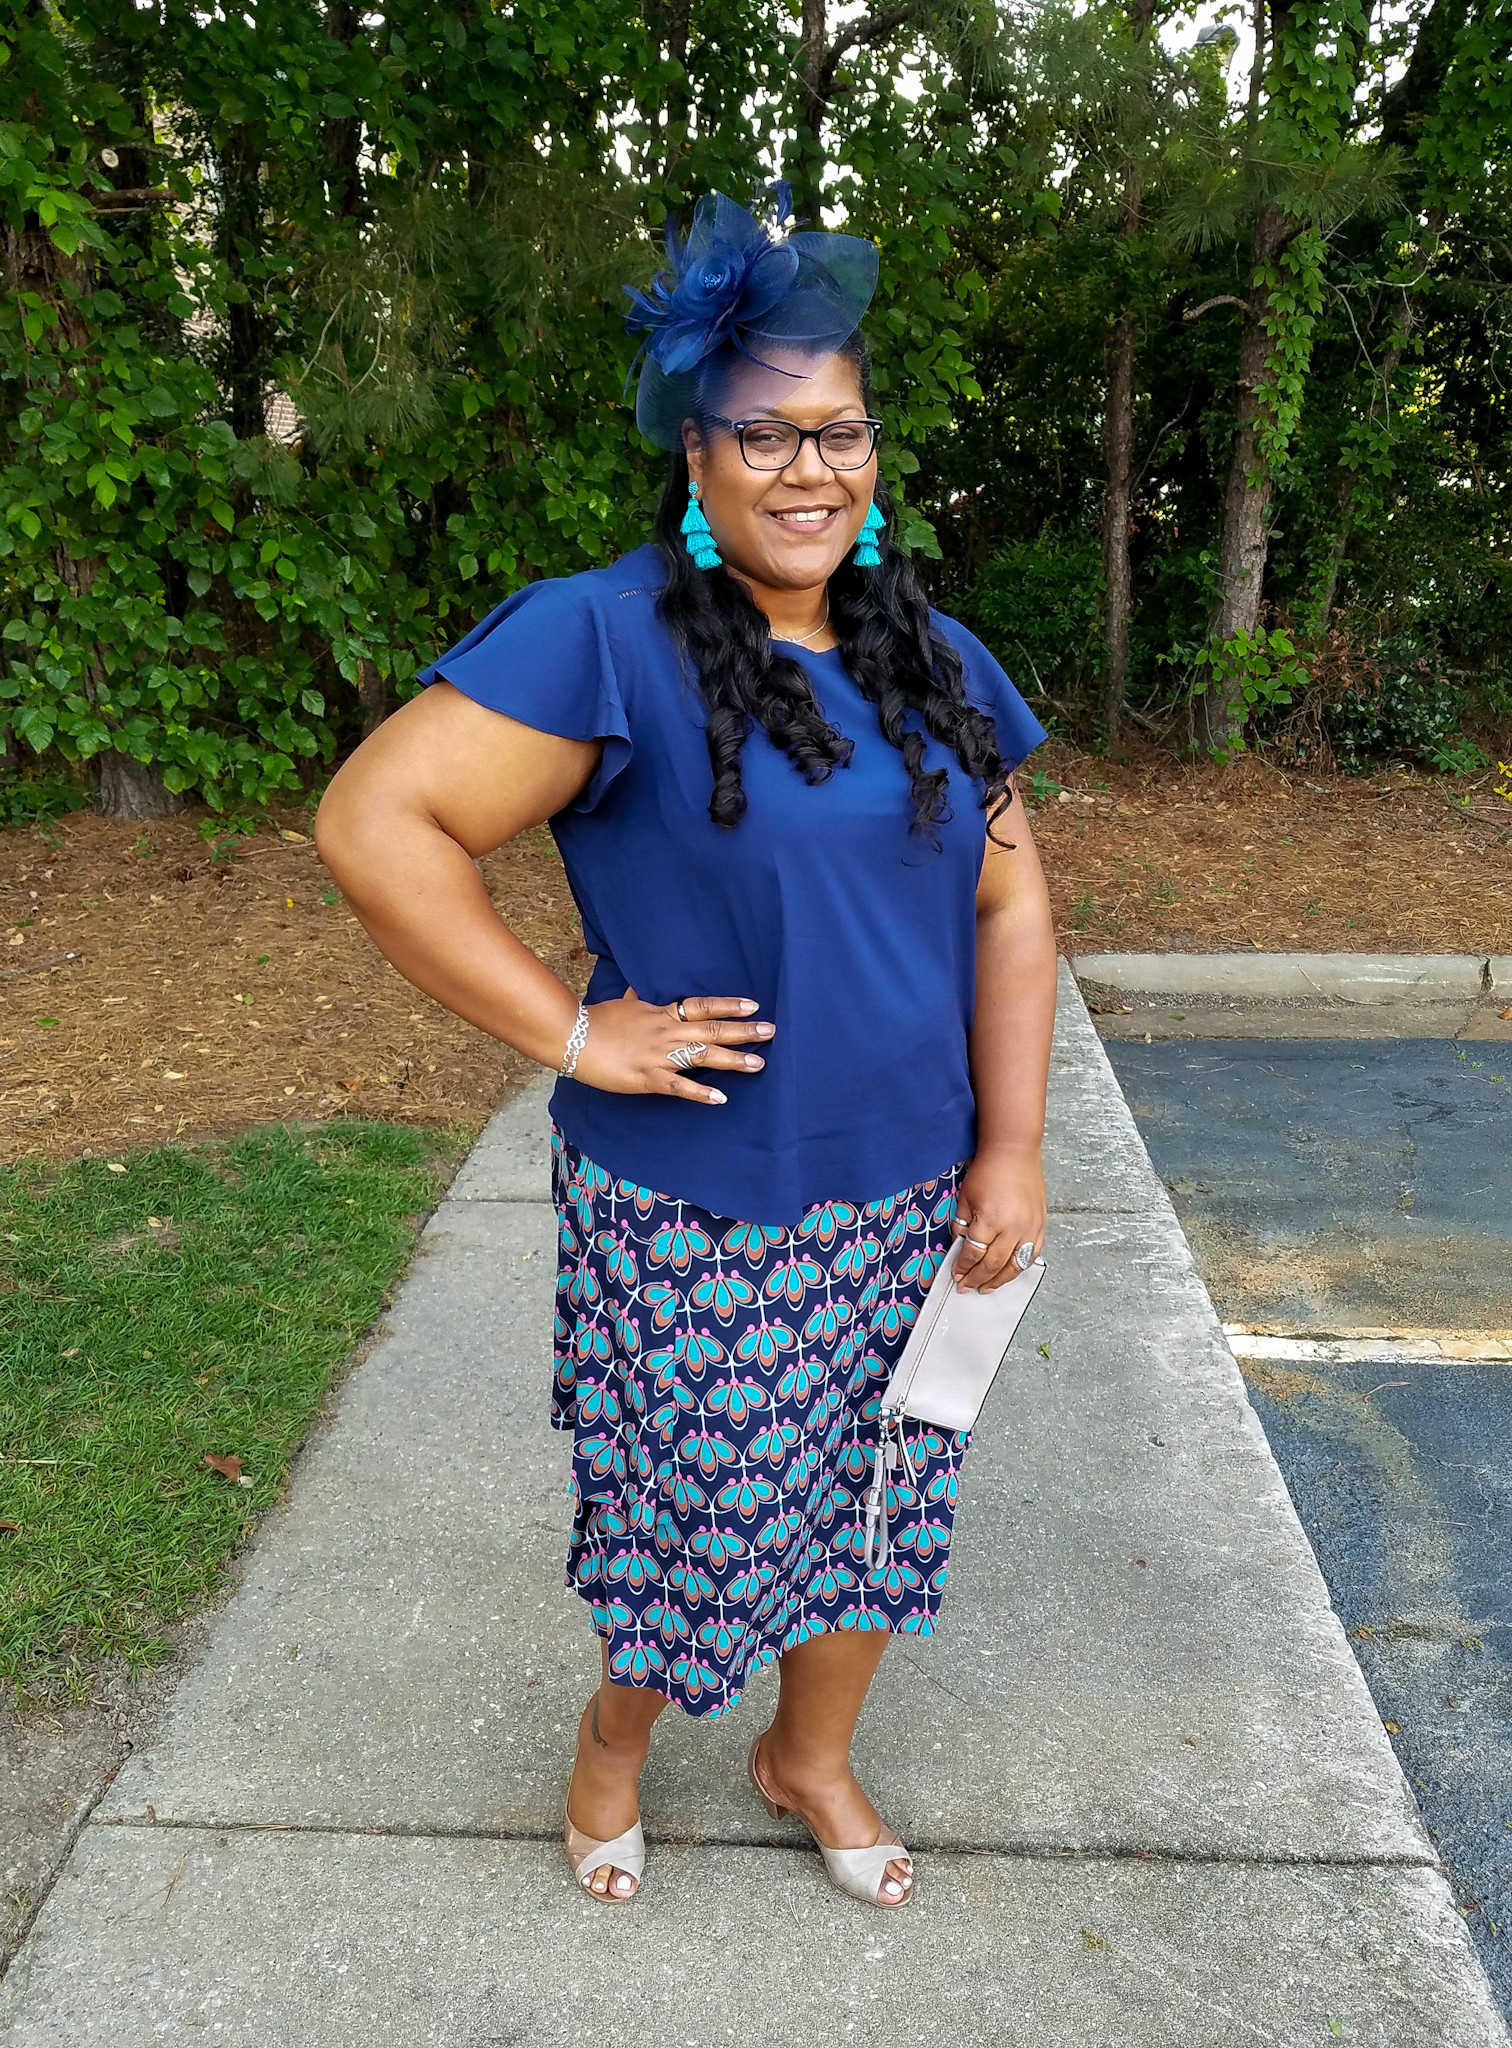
point(1025, 1255)
point(973, 1240)
point(682, 1013)
point(687, 1055)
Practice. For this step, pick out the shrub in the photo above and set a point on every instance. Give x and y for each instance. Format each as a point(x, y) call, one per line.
point(1036, 605)
point(1406, 707)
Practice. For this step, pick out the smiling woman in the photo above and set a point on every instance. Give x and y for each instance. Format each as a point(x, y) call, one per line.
point(799, 530)
point(769, 765)
point(787, 485)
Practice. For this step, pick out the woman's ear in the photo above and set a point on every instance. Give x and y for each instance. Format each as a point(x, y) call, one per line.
point(694, 450)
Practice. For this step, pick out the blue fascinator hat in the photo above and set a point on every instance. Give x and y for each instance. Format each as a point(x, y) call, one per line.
point(740, 291)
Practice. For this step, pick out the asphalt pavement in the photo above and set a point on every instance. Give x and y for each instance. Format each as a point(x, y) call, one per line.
point(1334, 1187)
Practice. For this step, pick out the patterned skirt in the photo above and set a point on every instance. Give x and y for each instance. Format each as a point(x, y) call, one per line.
point(721, 1379)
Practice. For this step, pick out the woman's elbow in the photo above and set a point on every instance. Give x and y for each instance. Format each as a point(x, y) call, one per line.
point(357, 816)
point(338, 821)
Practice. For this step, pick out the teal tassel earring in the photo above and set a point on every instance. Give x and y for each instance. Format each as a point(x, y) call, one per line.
point(866, 556)
point(696, 535)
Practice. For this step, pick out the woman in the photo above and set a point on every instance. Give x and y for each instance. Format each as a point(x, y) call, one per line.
point(767, 765)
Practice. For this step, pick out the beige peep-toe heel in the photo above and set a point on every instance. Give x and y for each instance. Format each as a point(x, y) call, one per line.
point(626, 1853)
point(860, 1872)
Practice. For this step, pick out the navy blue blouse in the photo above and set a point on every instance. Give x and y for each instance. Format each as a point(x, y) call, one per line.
point(856, 937)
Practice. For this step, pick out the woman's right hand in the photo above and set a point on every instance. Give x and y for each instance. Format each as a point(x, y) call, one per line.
point(626, 1049)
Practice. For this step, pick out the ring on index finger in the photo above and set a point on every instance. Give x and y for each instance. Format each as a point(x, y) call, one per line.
point(682, 1013)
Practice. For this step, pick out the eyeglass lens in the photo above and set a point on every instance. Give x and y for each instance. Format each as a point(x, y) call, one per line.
point(772, 444)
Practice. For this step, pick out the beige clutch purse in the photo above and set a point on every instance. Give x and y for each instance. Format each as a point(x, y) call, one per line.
point(944, 1373)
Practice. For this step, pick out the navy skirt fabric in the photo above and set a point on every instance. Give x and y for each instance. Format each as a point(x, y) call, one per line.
point(720, 1379)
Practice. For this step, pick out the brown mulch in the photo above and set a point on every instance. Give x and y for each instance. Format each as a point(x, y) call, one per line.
point(1159, 856)
point(194, 998)
point(150, 991)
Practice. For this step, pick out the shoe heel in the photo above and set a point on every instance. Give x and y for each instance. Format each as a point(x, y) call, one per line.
point(774, 1810)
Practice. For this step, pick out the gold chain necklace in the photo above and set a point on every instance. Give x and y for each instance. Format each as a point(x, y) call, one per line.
point(802, 639)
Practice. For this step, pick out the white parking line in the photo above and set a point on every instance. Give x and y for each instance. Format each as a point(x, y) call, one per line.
point(1398, 1347)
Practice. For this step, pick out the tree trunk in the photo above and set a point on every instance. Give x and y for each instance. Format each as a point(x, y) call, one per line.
point(120, 786)
point(808, 169)
point(1118, 449)
point(342, 134)
point(239, 166)
point(679, 97)
point(1402, 111)
point(1338, 548)
point(376, 695)
point(818, 84)
point(126, 789)
point(1118, 446)
point(1245, 542)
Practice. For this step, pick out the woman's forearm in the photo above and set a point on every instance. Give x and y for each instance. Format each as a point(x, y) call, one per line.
point(420, 898)
point(1012, 1023)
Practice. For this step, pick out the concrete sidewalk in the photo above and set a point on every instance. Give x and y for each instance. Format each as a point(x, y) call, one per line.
point(1152, 1799)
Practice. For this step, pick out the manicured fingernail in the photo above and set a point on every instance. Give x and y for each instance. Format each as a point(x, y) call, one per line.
point(748, 1003)
point(716, 1096)
point(754, 1059)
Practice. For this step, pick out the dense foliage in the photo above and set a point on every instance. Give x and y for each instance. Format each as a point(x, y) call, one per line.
point(312, 349)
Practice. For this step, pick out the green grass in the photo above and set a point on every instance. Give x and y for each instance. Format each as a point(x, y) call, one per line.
point(199, 1301)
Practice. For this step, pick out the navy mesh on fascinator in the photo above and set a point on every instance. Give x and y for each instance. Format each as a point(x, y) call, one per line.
point(741, 294)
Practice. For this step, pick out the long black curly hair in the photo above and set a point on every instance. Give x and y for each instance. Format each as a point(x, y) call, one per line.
point(881, 615)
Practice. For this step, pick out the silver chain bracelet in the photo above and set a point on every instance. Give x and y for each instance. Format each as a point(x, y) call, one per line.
point(575, 1040)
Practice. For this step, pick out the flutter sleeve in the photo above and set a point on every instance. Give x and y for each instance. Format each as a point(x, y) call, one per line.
point(543, 657)
point(988, 686)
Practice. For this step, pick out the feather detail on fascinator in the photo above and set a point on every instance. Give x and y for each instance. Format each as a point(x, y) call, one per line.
point(739, 288)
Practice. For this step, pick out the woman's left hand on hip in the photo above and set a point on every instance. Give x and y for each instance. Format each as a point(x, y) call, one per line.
point(1000, 1203)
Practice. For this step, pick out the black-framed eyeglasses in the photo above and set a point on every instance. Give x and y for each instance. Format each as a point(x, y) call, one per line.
point(772, 444)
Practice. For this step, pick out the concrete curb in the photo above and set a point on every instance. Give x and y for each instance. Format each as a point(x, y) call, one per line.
point(1362, 978)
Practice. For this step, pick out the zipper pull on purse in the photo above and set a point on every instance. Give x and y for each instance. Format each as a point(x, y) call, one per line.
point(901, 1457)
point(876, 1504)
